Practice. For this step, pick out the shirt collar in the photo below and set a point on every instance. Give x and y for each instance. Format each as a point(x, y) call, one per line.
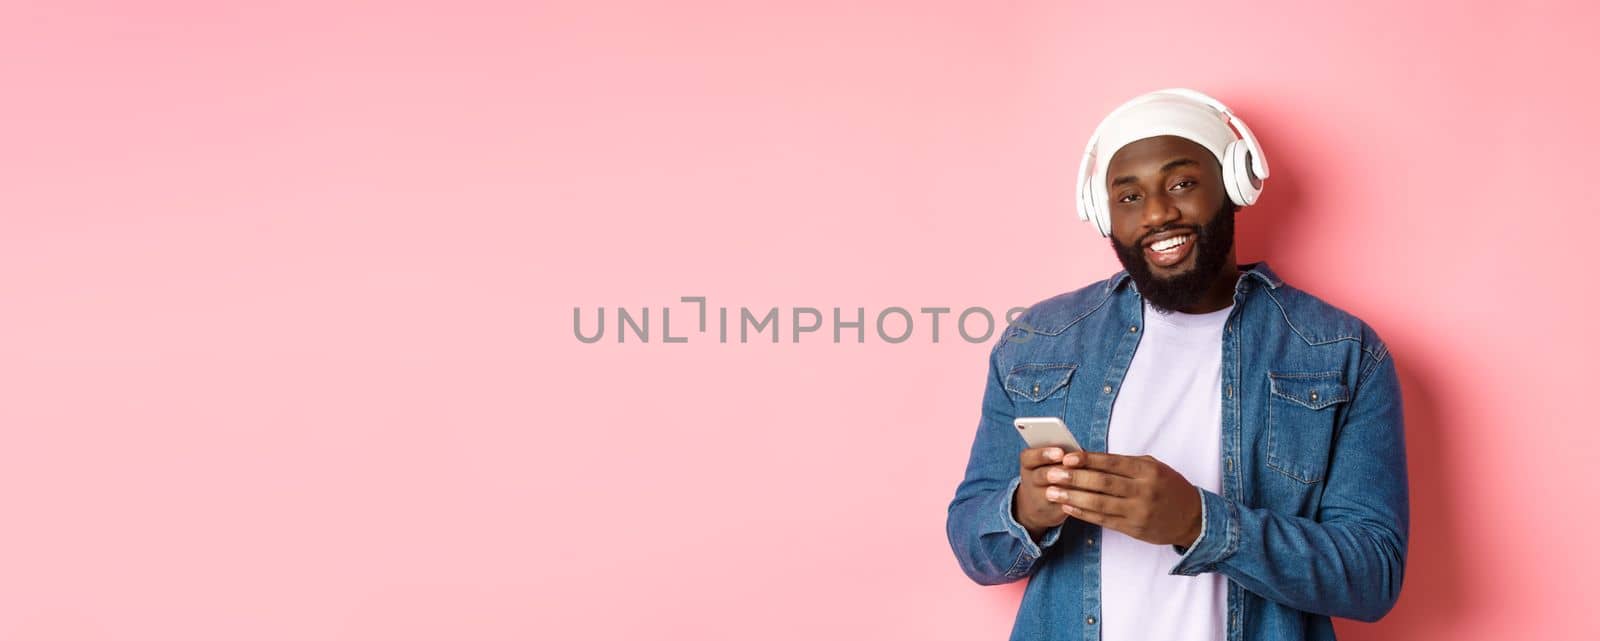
point(1258, 270)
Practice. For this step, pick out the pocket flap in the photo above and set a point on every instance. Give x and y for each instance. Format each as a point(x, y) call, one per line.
point(1314, 390)
point(1037, 381)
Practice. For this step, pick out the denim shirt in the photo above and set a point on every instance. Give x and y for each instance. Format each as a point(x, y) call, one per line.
point(1313, 516)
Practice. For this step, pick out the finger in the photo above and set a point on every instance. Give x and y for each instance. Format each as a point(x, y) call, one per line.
point(1129, 466)
point(1090, 501)
point(1058, 494)
point(1034, 457)
point(1047, 475)
point(1101, 519)
point(1097, 481)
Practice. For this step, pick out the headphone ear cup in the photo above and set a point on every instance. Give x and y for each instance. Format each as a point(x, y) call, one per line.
point(1252, 182)
point(1245, 182)
point(1081, 196)
point(1086, 200)
point(1102, 211)
point(1230, 173)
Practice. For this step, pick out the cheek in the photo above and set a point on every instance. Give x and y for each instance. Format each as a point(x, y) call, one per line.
point(1210, 197)
point(1123, 225)
point(1123, 235)
point(1200, 207)
point(1195, 197)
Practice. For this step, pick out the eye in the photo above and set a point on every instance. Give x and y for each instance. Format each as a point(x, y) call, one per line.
point(1183, 182)
point(1124, 199)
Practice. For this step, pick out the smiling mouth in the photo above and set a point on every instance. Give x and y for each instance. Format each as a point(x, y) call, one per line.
point(1170, 251)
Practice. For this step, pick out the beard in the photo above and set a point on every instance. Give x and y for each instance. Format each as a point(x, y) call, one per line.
point(1213, 241)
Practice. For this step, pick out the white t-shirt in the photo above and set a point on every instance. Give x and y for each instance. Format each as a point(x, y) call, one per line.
point(1170, 407)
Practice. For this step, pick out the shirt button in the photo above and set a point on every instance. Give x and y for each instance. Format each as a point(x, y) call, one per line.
point(1091, 540)
point(1106, 389)
point(1035, 389)
point(1091, 620)
point(1313, 396)
point(1133, 328)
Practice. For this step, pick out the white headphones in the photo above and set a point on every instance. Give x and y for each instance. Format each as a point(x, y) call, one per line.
point(1244, 167)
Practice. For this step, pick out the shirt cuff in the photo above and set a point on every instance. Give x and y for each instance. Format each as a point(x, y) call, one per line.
point(1219, 536)
point(1034, 549)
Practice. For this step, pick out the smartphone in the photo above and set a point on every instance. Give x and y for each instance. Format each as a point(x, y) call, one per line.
point(1039, 431)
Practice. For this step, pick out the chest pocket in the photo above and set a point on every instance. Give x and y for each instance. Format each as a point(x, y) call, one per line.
point(1040, 389)
point(1301, 414)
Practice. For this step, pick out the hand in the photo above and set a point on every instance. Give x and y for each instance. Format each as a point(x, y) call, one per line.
point(1031, 507)
point(1136, 495)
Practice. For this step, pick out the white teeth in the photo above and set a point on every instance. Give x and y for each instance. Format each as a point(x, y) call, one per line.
point(1169, 243)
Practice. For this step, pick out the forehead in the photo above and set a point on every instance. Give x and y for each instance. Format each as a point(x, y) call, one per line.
point(1146, 155)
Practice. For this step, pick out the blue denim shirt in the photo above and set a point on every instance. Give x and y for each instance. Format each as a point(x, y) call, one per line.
point(1313, 516)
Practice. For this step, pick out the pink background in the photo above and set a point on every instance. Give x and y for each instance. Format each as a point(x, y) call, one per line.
point(286, 347)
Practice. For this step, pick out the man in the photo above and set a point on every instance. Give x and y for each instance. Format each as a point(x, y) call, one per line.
point(1244, 469)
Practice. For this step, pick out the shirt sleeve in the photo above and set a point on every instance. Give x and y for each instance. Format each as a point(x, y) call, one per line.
point(1348, 559)
point(988, 542)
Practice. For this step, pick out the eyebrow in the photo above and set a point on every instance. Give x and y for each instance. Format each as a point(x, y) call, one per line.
point(1164, 169)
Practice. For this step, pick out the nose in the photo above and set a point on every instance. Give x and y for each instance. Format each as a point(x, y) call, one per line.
point(1160, 210)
